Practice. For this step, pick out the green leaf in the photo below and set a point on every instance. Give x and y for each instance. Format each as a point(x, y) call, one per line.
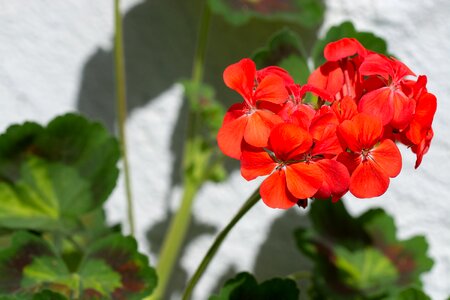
point(44, 270)
point(209, 110)
point(121, 254)
point(48, 295)
point(346, 29)
point(244, 287)
point(331, 224)
point(100, 277)
point(111, 268)
point(411, 294)
point(204, 161)
point(366, 270)
point(409, 256)
point(24, 248)
point(307, 13)
point(285, 49)
point(44, 295)
point(48, 196)
point(50, 176)
point(352, 254)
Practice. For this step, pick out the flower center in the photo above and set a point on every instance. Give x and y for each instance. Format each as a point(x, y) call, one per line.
point(365, 154)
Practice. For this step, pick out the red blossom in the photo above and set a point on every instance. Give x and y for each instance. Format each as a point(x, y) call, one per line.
point(370, 160)
point(250, 120)
point(345, 141)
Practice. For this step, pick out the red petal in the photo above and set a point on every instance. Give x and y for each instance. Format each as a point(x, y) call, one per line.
point(368, 181)
point(322, 93)
point(376, 64)
point(328, 145)
point(425, 109)
point(403, 111)
point(241, 77)
point(321, 121)
point(387, 156)
point(234, 112)
point(271, 89)
point(303, 179)
point(348, 134)
point(254, 164)
point(342, 48)
point(258, 127)
point(274, 192)
point(378, 103)
point(350, 160)
point(230, 135)
point(345, 109)
point(336, 179)
point(369, 129)
point(275, 71)
point(423, 147)
point(288, 141)
point(329, 77)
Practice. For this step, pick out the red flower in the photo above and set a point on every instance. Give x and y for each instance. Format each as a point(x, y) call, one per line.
point(295, 111)
point(388, 102)
point(339, 74)
point(343, 48)
point(287, 161)
point(323, 152)
point(371, 161)
point(252, 119)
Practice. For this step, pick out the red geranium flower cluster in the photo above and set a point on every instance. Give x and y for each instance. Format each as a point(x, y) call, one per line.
point(344, 141)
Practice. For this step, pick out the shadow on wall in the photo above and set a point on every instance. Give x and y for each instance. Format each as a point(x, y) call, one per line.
point(159, 41)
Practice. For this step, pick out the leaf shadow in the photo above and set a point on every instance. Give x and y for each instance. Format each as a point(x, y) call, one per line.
point(159, 42)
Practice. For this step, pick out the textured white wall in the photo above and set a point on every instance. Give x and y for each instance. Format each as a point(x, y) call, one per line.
point(48, 50)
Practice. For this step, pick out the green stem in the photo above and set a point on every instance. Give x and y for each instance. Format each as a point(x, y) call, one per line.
point(121, 95)
point(200, 52)
point(174, 239)
point(193, 169)
point(251, 201)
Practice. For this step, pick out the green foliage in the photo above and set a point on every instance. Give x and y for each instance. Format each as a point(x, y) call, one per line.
point(285, 49)
point(47, 196)
point(346, 29)
point(43, 295)
point(360, 258)
point(411, 294)
point(366, 270)
point(49, 176)
point(205, 161)
point(307, 13)
point(245, 287)
point(111, 267)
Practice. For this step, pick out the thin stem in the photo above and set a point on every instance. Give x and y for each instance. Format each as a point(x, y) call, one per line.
point(194, 170)
point(121, 94)
point(251, 201)
point(199, 58)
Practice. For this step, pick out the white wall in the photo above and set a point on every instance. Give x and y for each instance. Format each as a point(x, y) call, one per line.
point(53, 56)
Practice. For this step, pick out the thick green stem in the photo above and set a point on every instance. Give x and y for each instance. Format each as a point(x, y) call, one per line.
point(174, 240)
point(121, 95)
point(194, 169)
point(251, 201)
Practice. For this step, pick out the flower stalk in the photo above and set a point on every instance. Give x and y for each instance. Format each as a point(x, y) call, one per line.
point(195, 168)
point(251, 201)
point(121, 95)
